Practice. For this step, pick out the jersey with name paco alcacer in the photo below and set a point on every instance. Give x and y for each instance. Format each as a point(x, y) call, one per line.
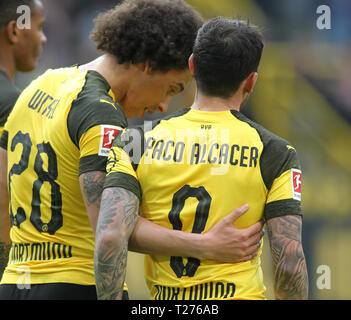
point(189, 171)
point(62, 125)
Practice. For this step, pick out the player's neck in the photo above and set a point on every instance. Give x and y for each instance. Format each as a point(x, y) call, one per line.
point(7, 63)
point(207, 103)
point(111, 71)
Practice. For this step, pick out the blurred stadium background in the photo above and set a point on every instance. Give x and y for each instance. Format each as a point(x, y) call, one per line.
point(303, 94)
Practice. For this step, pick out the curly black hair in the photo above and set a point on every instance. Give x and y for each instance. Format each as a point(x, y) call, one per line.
point(161, 32)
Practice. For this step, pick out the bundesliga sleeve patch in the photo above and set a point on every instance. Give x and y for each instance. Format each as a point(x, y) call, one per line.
point(296, 183)
point(108, 135)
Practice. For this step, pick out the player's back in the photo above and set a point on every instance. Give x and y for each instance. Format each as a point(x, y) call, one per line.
point(196, 167)
point(51, 234)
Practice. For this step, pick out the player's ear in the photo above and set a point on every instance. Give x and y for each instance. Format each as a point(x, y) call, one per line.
point(191, 64)
point(250, 82)
point(12, 32)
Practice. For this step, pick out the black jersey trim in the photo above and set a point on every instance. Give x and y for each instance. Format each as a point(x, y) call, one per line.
point(125, 181)
point(92, 163)
point(281, 208)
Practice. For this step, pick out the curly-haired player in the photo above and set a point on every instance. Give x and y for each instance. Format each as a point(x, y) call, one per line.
point(56, 157)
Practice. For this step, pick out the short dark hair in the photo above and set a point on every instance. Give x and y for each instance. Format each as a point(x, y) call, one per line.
point(161, 32)
point(225, 53)
point(8, 10)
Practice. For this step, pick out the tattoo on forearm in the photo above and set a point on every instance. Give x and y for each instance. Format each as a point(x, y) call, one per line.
point(4, 256)
point(93, 183)
point(117, 218)
point(289, 264)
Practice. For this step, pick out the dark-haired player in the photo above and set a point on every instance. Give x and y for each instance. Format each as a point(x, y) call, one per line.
point(20, 48)
point(57, 155)
point(203, 161)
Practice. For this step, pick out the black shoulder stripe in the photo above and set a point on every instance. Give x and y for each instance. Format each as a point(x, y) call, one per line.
point(87, 110)
point(277, 156)
point(70, 123)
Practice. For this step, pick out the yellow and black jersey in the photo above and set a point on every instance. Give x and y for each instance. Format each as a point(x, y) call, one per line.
point(8, 96)
point(62, 125)
point(189, 171)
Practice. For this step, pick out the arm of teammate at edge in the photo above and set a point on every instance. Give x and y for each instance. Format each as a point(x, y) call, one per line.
point(223, 242)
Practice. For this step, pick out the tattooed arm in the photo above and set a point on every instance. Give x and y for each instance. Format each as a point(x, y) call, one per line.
point(91, 185)
point(289, 265)
point(117, 218)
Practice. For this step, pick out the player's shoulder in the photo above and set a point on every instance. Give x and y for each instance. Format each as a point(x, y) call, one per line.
point(134, 132)
point(174, 116)
point(9, 94)
point(56, 74)
point(95, 100)
point(6, 86)
point(94, 106)
point(271, 141)
point(278, 154)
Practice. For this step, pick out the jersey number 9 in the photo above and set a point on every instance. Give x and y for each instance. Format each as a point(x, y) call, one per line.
point(201, 216)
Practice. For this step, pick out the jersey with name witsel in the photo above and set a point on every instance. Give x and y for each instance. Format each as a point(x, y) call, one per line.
point(192, 169)
point(62, 126)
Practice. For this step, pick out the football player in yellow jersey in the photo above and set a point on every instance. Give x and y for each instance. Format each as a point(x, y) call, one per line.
point(188, 169)
point(20, 50)
point(54, 160)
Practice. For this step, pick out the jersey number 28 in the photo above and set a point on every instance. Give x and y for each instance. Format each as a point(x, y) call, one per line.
point(49, 176)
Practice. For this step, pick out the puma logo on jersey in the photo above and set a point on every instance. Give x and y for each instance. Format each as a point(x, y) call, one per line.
point(105, 101)
point(290, 147)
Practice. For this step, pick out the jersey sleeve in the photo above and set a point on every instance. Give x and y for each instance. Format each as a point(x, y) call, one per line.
point(281, 172)
point(93, 128)
point(123, 160)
